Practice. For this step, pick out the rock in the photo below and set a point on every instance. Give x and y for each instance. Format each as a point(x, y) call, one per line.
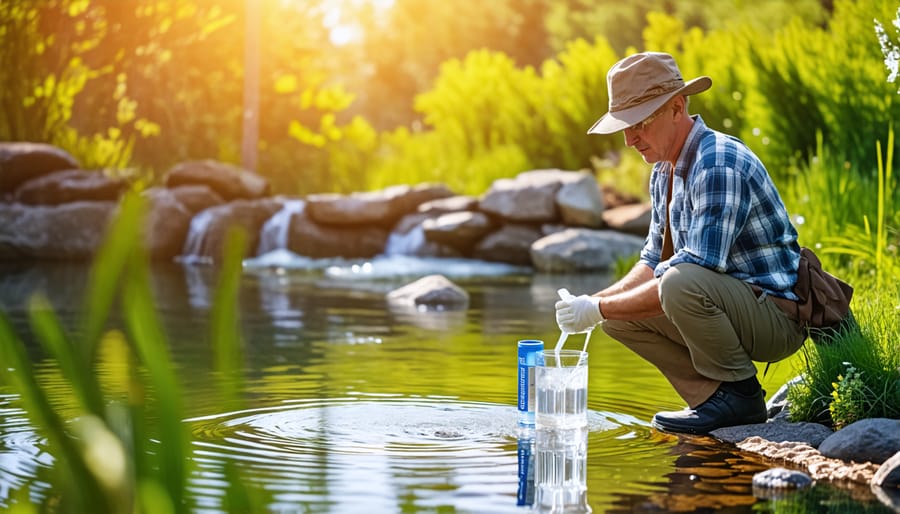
point(209, 228)
point(889, 497)
point(449, 204)
point(809, 433)
point(196, 197)
point(869, 440)
point(630, 218)
point(408, 238)
point(510, 244)
point(613, 198)
point(70, 186)
point(227, 180)
point(312, 239)
point(816, 464)
point(72, 230)
point(434, 292)
point(579, 249)
point(419, 194)
point(22, 161)
point(580, 201)
point(777, 406)
point(888, 474)
point(383, 207)
point(459, 230)
point(781, 478)
point(166, 225)
point(530, 197)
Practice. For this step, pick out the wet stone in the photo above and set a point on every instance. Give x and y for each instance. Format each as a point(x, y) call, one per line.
point(781, 478)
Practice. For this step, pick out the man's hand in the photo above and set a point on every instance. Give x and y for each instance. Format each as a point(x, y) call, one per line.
point(578, 314)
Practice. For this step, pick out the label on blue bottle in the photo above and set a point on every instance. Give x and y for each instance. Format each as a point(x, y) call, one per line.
point(527, 359)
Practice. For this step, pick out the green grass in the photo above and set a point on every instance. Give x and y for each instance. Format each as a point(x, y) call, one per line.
point(858, 375)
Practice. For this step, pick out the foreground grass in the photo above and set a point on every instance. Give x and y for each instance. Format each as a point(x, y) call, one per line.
point(115, 455)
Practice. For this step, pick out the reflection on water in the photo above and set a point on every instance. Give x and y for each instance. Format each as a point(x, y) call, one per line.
point(455, 448)
point(350, 405)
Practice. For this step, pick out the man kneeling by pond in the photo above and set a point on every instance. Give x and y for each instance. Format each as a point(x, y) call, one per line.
point(701, 304)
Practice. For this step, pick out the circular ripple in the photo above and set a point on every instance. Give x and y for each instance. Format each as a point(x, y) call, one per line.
point(390, 426)
point(369, 453)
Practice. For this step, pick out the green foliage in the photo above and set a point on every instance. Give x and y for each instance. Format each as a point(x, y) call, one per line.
point(488, 118)
point(857, 375)
point(876, 249)
point(796, 93)
point(829, 201)
point(43, 76)
point(850, 398)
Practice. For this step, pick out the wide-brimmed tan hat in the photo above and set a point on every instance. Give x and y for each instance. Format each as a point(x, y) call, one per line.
point(638, 85)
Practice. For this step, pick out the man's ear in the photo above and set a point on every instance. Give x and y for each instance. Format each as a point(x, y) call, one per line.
point(680, 105)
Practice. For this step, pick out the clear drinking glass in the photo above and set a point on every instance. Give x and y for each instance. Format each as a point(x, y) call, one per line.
point(561, 379)
point(560, 471)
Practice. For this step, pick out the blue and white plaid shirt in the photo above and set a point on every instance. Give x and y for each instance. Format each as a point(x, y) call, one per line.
point(728, 218)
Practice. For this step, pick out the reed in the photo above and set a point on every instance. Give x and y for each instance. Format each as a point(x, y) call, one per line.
point(131, 454)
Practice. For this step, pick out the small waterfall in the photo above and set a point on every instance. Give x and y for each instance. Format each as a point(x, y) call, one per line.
point(193, 244)
point(406, 244)
point(274, 233)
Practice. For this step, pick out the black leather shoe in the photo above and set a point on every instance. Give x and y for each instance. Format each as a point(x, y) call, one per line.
point(725, 408)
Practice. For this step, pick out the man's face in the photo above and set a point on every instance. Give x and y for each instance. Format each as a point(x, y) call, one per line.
point(653, 138)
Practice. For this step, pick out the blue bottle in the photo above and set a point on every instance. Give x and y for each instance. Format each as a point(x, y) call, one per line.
point(528, 350)
point(525, 455)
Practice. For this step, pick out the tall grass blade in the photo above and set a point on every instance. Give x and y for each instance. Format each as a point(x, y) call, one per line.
point(224, 324)
point(152, 347)
point(107, 267)
point(50, 332)
point(82, 490)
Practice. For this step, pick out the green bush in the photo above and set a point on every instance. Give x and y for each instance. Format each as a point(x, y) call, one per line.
point(855, 376)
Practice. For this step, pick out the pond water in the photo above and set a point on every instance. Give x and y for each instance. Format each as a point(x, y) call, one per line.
point(350, 405)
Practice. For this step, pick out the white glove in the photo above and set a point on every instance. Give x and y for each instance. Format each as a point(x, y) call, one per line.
point(578, 314)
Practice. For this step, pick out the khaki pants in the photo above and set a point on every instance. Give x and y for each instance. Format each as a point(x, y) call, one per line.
point(713, 329)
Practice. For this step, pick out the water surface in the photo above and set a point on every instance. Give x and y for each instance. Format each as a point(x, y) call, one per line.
point(350, 405)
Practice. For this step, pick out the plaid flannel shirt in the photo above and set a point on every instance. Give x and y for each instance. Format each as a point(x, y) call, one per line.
point(726, 214)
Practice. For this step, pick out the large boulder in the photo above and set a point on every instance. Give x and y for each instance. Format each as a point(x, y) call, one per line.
point(581, 249)
point(633, 218)
point(408, 238)
point(196, 197)
point(530, 197)
point(312, 239)
point(68, 231)
point(449, 204)
point(227, 180)
point(166, 225)
point(868, 440)
point(460, 230)
point(22, 161)
point(209, 228)
point(510, 244)
point(71, 186)
point(580, 201)
point(382, 207)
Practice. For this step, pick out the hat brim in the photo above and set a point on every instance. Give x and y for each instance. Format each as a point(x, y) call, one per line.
point(613, 122)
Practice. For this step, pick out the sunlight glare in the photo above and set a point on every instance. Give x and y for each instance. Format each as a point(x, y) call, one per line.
point(339, 20)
